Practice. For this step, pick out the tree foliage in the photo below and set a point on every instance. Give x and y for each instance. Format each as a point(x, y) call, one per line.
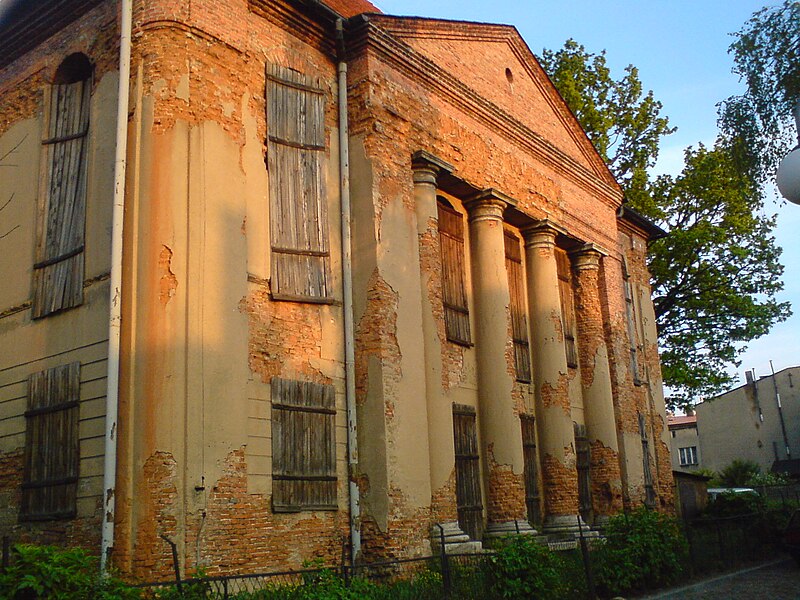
point(716, 274)
point(623, 123)
point(757, 125)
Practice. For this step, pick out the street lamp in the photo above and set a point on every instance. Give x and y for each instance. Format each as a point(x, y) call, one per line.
point(788, 175)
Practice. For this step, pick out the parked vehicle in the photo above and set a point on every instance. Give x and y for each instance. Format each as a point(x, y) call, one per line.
point(791, 536)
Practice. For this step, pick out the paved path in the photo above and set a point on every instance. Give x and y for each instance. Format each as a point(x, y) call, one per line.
point(776, 580)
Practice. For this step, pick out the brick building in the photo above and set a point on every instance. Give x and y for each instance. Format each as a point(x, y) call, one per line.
point(371, 278)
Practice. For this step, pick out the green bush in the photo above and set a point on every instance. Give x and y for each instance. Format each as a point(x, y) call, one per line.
point(59, 574)
point(734, 504)
point(642, 550)
point(524, 568)
point(768, 479)
point(738, 473)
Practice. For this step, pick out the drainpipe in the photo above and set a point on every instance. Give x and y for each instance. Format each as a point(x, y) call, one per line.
point(780, 413)
point(115, 316)
point(347, 288)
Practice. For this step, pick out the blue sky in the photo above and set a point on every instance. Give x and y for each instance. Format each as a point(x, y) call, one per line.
point(681, 50)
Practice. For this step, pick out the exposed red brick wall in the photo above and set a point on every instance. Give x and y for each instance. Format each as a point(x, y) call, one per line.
point(407, 533)
point(284, 337)
point(236, 532)
point(605, 480)
point(444, 508)
point(23, 82)
point(505, 494)
point(560, 482)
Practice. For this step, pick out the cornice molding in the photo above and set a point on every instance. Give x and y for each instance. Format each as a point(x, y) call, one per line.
point(303, 26)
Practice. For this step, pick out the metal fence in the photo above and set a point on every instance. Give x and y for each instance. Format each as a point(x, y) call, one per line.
point(455, 576)
point(714, 544)
point(725, 542)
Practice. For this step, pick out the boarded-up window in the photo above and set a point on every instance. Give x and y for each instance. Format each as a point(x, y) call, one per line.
point(530, 469)
point(582, 450)
point(567, 306)
point(630, 318)
point(58, 271)
point(454, 289)
point(519, 321)
point(298, 213)
point(468, 479)
point(649, 490)
point(303, 445)
point(50, 480)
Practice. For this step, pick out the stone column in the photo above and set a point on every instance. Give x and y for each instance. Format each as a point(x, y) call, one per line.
point(598, 400)
point(551, 384)
point(426, 168)
point(499, 422)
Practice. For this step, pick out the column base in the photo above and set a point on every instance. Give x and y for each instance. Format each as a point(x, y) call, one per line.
point(455, 540)
point(518, 527)
point(600, 521)
point(567, 525)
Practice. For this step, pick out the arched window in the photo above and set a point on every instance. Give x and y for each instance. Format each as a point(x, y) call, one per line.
point(59, 267)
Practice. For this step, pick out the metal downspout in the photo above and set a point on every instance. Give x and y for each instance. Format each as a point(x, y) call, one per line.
point(115, 310)
point(347, 289)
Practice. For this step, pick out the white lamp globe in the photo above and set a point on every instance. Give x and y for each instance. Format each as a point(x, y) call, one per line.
point(788, 176)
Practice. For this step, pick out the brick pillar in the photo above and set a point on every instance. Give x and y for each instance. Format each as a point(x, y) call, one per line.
point(551, 384)
point(499, 422)
point(598, 401)
point(444, 513)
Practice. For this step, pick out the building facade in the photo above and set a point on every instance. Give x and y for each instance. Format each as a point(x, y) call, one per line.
point(758, 421)
point(375, 286)
point(684, 440)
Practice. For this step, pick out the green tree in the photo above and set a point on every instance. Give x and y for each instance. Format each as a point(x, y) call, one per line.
point(716, 275)
point(623, 123)
point(757, 125)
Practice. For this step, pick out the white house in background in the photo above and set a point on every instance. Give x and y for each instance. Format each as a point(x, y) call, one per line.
point(684, 440)
point(758, 421)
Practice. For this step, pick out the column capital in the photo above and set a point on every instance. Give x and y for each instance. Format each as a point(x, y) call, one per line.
point(541, 234)
point(427, 167)
point(487, 205)
point(587, 257)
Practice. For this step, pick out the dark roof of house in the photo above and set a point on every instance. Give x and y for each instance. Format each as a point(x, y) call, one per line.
point(676, 474)
point(679, 421)
point(636, 219)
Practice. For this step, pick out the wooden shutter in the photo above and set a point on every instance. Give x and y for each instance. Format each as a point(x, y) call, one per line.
point(469, 498)
point(303, 445)
point(454, 289)
point(531, 472)
point(630, 317)
point(58, 271)
point(519, 321)
point(567, 306)
point(649, 490)
point(298, 199)
point(582, 450)
point(50, 481)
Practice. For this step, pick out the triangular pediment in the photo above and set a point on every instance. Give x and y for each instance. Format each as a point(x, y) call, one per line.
point(494, 62)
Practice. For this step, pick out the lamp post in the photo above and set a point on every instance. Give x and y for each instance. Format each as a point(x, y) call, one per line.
point(788, 175)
